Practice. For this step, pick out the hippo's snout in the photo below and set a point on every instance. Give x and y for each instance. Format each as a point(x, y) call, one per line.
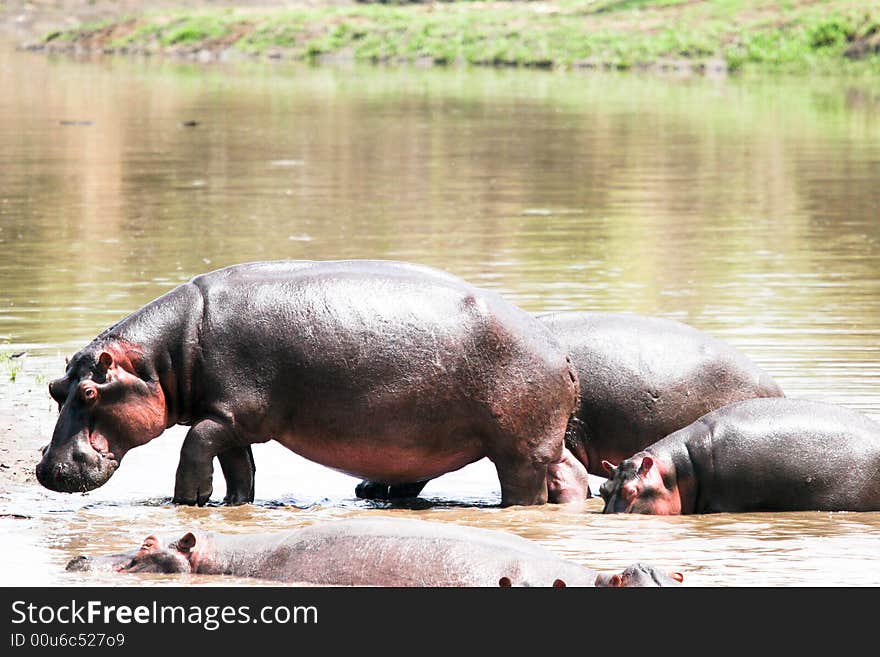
point(110, 562)
point(78, 472)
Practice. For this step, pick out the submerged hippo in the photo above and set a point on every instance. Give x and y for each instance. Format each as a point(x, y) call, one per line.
point(385, 370)
point(755, 455)
point(641, 378)
point(371, 552)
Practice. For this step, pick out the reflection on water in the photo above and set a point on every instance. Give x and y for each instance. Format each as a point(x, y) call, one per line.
point(746, 208)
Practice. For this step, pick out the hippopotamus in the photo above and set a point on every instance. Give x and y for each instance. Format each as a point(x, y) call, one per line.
point(383, 370)
point(376, 551)
point(641, 378)
point(755, 455)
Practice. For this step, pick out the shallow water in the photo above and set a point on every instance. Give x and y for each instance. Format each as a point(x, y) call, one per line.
point(747, 208)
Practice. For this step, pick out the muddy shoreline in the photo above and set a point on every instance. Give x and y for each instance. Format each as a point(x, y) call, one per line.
point(27, 417)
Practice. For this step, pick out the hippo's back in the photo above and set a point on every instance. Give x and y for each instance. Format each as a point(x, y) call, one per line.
point(409, 552)
point(366, 321)
point(641, 378)
point(785, 454)
point(351, 297)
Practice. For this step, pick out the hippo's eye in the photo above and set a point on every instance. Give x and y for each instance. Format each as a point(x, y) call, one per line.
point(88, 392)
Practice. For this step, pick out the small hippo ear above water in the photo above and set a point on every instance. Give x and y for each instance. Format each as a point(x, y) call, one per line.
point(558, 584)
point(609, 467)
point(678, 577)
point(505, 583)
point(615, 581)
point(186, 542)
point(646, 465)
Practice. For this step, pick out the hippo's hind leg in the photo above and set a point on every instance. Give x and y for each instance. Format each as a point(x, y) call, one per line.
point(193, 483)
point(376, 490)
point(239, 470)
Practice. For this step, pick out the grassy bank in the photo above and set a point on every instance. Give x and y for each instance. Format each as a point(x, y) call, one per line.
point(792, 36)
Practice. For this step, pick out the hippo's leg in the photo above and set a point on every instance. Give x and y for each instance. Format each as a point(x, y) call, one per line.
point(522, 475)
point(195, 472)
point(375, 490)
point(239, 471)
point(522, 483)
point(567, 480)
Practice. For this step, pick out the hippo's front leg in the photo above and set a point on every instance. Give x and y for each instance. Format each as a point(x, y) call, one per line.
point(567, 480)
point(239, 471)
point(195, 472)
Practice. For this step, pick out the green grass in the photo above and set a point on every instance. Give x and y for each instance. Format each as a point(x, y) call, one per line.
point(795, 36)
point(10, 366)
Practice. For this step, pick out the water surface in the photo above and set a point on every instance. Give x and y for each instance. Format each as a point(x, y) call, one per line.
point(747, 208)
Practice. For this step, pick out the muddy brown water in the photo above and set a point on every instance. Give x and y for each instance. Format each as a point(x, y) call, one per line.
point(748, 208)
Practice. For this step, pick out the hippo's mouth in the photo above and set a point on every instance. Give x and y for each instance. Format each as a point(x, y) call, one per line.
point(84, 464)
point(102, 448)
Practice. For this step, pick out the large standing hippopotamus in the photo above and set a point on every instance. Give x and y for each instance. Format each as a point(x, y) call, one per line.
point(755, 455)
point(641, 378)
point(386, 370)
point(371, 552)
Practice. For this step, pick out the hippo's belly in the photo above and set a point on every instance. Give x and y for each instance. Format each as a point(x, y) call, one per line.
point(383, 459)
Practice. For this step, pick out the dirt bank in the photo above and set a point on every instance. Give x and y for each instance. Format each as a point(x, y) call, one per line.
point(27, 417)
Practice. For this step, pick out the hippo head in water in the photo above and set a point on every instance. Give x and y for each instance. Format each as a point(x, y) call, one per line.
point(640, 484)
point(639, 575)
point(156, 555)
point(108, 403)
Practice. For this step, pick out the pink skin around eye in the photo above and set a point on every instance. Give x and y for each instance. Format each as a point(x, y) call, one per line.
point(650, 477)
point(668, 503)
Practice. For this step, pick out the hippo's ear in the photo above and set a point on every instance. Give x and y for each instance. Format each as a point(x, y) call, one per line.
point(558, 584)
point(186, 542)
point(608, 466)
point(505, 582)
point(678, 577)
point(105, 362)
point(615, 581)
point(646, 465)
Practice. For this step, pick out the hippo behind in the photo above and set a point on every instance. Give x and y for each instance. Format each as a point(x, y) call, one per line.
point(755, 455)
point(392, 552)
point(385, 370)
point(641, 378)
